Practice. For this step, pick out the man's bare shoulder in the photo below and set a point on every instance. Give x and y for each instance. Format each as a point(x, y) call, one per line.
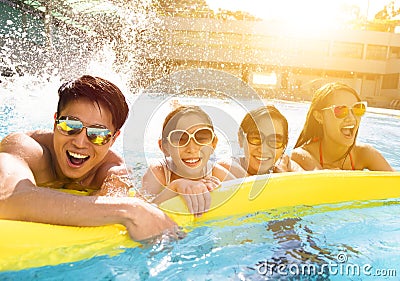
point(27, 146)
point(40, 135)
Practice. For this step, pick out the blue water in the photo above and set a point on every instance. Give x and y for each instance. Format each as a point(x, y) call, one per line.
point(364, 235)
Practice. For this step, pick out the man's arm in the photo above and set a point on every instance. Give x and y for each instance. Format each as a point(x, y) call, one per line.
point(21, 199)
point(113, 180)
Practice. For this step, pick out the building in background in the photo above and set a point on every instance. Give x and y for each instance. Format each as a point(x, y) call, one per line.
point(277, 61)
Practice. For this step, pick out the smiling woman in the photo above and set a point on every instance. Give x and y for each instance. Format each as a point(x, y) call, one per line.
point(328, 139)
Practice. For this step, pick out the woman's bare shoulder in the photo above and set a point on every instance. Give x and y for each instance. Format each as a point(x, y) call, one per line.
point(304, 157)
point(368, 157)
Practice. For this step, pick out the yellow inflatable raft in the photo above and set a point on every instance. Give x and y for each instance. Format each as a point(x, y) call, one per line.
point(25, 244)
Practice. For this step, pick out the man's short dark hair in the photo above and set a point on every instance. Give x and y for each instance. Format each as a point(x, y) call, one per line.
point(99, 91)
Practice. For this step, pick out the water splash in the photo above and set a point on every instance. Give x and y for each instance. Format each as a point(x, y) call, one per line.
point(117, 43)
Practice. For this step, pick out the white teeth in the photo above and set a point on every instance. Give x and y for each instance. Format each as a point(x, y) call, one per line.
point(191, 161)
point(263, 158)
point(349, 127)
point(77, 155)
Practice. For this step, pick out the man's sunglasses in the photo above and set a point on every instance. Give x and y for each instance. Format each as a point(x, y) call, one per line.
point(181, 138)
point(97, 134)
point(342, 111)
point(275, 141)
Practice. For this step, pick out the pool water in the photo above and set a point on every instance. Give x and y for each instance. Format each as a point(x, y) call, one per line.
point(347, 241)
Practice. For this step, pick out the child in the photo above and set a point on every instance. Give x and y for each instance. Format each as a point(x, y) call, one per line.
point(187, 141)
point(263, 134)
point(328, 139)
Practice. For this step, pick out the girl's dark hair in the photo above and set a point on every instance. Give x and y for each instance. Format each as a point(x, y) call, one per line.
point(174, 116)
point(97, 90)
point(269, 111)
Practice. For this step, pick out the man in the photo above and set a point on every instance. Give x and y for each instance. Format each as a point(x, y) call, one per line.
point(76, 155)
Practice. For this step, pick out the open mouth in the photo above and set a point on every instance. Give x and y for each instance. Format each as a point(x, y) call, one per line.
point(263, 158)
point(192, 162)
point(348, 131)
point(77, 159)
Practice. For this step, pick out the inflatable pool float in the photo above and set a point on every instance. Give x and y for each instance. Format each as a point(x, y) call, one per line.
point(26, 244)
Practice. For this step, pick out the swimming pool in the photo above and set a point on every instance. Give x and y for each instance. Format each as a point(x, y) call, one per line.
point(356, 240)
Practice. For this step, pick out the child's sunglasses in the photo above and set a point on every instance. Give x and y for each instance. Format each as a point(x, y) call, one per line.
point(342, 111)
point(275, 141)
point(97, 134)
point(181, 138)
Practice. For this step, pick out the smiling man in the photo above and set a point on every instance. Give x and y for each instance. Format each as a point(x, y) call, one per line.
point(77, 156)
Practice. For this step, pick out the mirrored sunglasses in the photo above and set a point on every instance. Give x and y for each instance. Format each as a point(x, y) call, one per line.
point(97, 134)
point(181, 138)
point(342, 111)
point(275, 141)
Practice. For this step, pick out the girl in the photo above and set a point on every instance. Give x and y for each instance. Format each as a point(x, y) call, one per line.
point(187, 141)
point(328, 139)
point(263, 135)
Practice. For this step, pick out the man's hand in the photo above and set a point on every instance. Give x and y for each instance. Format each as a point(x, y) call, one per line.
point(145, 221)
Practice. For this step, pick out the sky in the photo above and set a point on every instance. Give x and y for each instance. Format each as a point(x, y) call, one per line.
point(289, 9)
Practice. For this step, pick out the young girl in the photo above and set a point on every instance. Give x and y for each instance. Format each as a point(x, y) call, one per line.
point(328, 139)
point(187, 141)
point(263, 135)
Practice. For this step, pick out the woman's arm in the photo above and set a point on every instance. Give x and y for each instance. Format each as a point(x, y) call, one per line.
point(305, 160)
point(367, 157)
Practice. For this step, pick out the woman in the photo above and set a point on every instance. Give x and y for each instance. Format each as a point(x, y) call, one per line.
point(263, 135)
point(187, 142)
point(328, 139)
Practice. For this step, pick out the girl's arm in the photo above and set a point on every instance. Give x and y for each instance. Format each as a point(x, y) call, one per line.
point(195, 192)
point(222, 173)
point(287, 165)
point(153, 181)
point(233, 167)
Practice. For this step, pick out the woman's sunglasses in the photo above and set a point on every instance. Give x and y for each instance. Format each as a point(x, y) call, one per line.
point(342, 111)
point(275, 141)
point(97, 134)
point(181, 138)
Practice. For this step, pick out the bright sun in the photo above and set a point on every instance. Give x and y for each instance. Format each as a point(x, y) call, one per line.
point(305, 16)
